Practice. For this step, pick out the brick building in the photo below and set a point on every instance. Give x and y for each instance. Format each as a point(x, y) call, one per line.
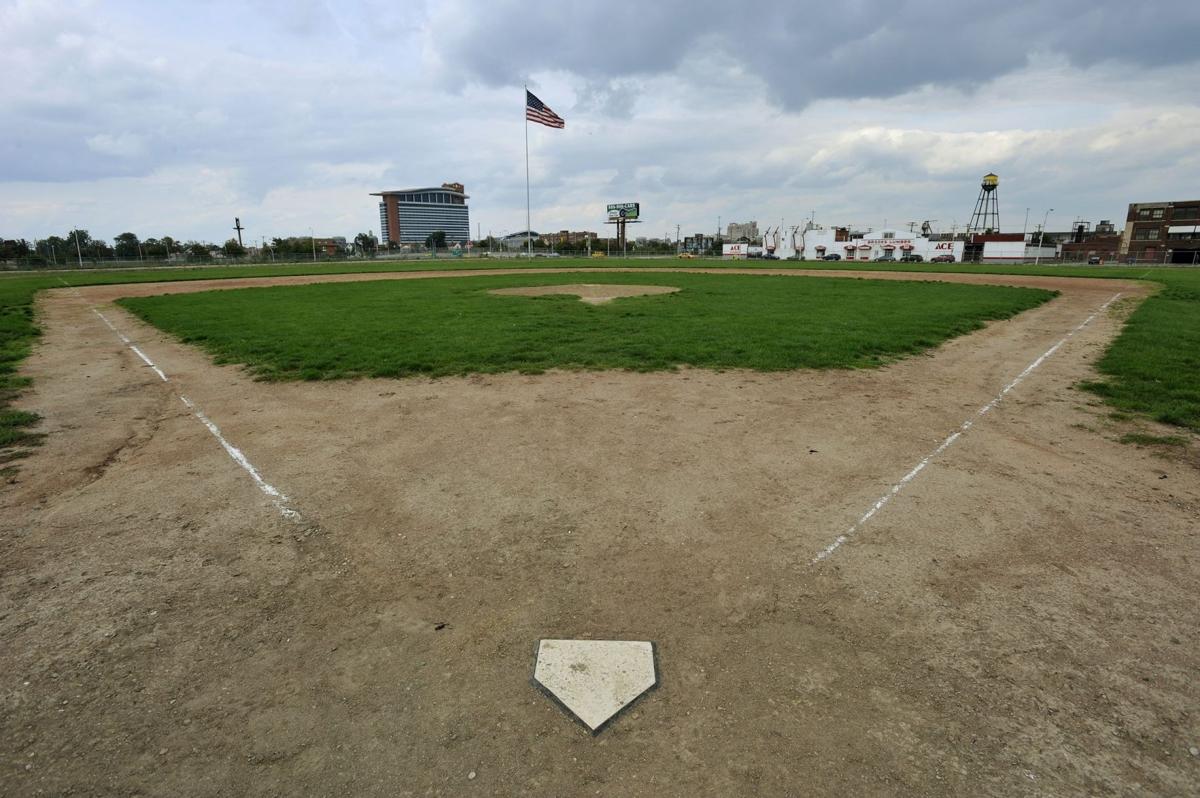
point(1162, 232)
point(569, 237)
point(1104, 242)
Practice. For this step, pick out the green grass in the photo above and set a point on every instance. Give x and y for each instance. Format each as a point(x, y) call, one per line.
point(1144, 439)
point(447, 326)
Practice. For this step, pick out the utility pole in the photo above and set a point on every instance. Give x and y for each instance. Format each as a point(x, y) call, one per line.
point(313, 238)
point(237, 225)
point(1042, 237)
point(78, 252)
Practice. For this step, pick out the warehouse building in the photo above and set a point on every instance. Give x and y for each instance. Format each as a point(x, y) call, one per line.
point(1162, 232)
point(820, 242)
point(411, 215)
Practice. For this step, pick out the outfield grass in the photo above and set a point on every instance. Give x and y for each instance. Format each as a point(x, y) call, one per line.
point(440, 327)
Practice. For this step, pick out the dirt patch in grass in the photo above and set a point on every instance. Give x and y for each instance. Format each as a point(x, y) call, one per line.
point(591, 293)
point(1146, 439)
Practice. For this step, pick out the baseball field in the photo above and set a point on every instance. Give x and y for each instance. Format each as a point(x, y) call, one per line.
point(294, 530)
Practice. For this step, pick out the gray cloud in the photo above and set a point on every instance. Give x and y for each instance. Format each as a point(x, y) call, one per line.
point(809, 51)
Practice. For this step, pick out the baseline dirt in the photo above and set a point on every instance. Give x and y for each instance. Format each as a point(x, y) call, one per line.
point(1020, 620)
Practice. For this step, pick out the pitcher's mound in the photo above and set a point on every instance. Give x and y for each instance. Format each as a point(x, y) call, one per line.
point(593, 294)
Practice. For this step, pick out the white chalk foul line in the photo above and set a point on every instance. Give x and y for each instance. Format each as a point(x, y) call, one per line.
point(954, 436)
point(277, 498)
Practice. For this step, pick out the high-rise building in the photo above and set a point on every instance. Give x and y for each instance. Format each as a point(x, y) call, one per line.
point(411, 215)
point(746, 230)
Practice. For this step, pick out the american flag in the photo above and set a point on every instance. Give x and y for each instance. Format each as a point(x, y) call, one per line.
point(537, 111)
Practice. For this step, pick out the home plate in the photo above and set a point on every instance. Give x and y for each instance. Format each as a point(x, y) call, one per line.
point(595, 679)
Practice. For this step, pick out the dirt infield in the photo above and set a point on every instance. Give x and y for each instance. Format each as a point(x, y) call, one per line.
point(1019, 620)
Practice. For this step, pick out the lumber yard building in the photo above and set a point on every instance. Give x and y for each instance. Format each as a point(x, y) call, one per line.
point(819, 242)
point(411, 215)
point(1162, 232)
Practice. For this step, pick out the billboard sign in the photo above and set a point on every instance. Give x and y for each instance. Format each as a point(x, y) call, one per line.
point(623, 210)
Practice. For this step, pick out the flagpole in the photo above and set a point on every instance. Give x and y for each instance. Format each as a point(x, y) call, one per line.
point(528, 231)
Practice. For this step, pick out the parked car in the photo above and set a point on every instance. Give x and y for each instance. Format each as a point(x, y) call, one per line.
point(832, 256)
point(1095, 259)
point(886, 259)
point(599, 255)
point(686, 255)
point(911, 259)
point(942, 259)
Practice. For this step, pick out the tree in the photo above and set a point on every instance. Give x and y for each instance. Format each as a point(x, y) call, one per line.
point(12, 249)
point(79, 242)
point(100, 249)
point(198, 251)
point(56, 249)
point(153, 248)
point(366, 242)
point(127, 245)
point(233, 249)
point(436, 240)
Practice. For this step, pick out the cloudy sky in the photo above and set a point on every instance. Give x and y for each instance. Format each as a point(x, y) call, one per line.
point(173, 117)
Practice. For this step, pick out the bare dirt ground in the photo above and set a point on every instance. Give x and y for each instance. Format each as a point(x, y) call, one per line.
point(1019, 620)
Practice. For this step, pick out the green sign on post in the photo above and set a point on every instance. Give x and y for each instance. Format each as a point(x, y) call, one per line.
point(623, 210)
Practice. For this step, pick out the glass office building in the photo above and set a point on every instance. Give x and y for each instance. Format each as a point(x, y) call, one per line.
point(411, 215)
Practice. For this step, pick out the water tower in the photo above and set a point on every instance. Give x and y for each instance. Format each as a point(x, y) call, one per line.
point(986, 218)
